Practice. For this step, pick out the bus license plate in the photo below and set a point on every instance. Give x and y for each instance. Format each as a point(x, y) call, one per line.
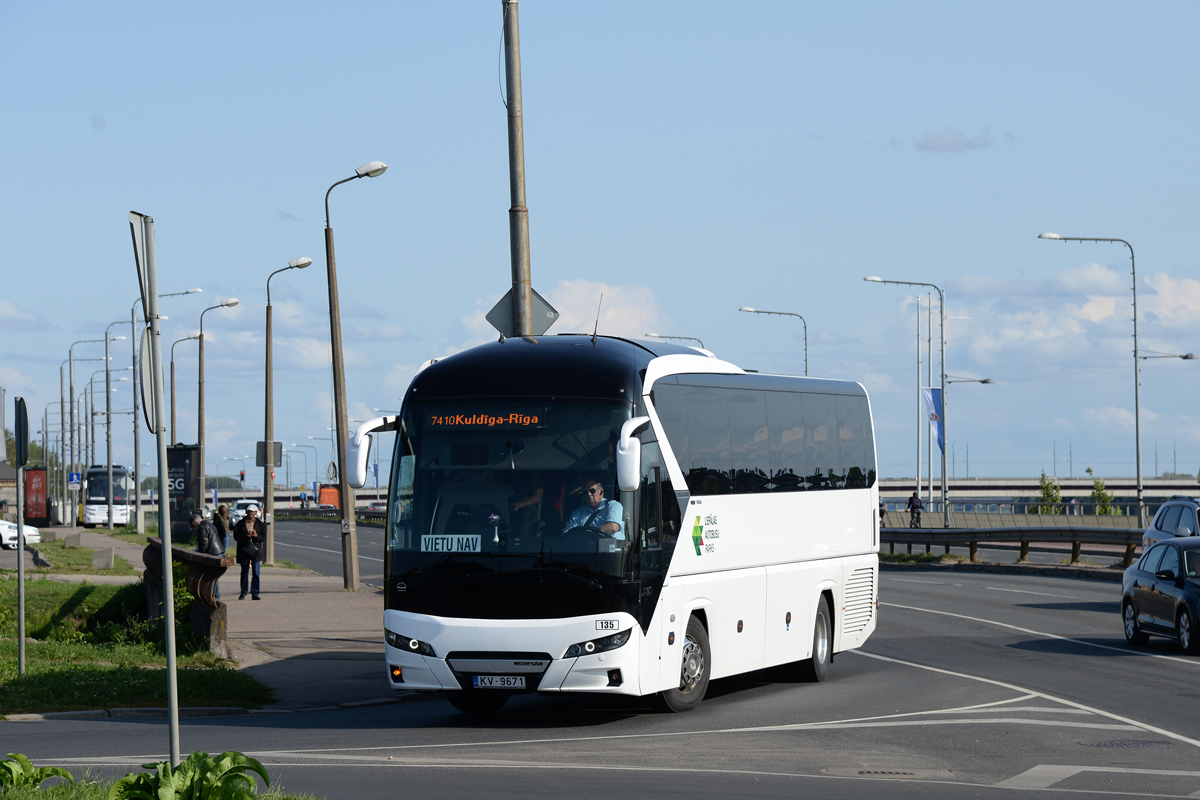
point(499, 681)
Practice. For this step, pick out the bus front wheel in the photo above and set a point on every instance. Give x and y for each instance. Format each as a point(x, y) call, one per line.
point(694, 668)
point(478, 703)
point(816, 669)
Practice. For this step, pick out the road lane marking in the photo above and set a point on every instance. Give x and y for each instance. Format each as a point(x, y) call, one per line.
point(1050, 697)
point(1043, 776)
point(320, 549)
point(1126, 651)
point(1040, 594)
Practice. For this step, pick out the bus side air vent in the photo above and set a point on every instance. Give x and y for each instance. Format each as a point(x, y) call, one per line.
point(859, 597)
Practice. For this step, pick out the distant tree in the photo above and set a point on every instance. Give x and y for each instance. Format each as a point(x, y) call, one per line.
point(1102, 499)
point(1050, 494)
point(221, 482)
point(149, 484)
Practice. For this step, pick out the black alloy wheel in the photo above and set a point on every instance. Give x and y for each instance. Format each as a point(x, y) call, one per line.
point(695, 665)
point(816, 669)
point(1133, 632)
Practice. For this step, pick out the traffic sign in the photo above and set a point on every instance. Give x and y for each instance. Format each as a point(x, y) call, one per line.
point(501, 315)
point(74, 481)
point(21, 433)
point(145, 366)
point(137, 226)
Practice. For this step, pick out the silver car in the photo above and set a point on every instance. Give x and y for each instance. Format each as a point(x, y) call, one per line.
point(8, 535)
point(1176, 517)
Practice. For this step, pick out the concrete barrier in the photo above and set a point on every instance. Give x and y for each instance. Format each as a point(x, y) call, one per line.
point(73, 540)
point(104, 558)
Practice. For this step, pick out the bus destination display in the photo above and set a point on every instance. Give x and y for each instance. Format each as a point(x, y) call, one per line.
point(511, 420)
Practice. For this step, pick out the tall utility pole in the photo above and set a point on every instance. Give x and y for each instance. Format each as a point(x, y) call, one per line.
point(518, 214)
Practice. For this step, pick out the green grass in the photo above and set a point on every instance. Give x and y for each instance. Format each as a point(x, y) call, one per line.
point(93, 650)
point(78, 560)
point(287, 563)
point(921, 558)
point(86, 787)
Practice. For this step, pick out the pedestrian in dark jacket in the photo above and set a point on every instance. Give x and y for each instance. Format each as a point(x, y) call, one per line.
point(251, 536)
point(221, 521)
point(208, 541)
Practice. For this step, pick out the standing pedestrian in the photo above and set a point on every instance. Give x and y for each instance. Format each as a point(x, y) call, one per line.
point(251, 536)
point(221, 521)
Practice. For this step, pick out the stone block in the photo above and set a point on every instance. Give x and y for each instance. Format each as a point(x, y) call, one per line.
point(211, 625)
point(103, 559)
point(73, 540)
point(49, 536)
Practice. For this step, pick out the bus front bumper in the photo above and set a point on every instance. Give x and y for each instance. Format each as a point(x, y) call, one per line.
point(531, 650)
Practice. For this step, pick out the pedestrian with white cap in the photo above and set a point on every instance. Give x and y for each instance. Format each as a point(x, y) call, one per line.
point(251, 535)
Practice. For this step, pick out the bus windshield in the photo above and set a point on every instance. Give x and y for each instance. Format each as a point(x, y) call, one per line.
point(97, 487)
point(509, 510)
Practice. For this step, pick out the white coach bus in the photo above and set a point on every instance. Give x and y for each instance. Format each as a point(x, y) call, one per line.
point(95, 496)
point(591, 514)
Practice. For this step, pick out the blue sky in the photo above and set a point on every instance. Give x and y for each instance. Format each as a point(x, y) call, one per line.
point(684, 159)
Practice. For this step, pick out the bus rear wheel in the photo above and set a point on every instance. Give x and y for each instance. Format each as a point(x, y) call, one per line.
point(480, 703)
point(816, 669)
point(694, 668)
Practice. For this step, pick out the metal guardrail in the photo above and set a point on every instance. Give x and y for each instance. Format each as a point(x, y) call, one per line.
point(1023, 535)
point(997, 515)
point(367, 517)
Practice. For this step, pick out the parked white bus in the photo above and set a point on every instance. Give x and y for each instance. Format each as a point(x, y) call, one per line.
point(592, 514)
point(95, 496)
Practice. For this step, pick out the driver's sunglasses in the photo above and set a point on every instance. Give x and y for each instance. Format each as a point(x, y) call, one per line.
point(594, 490)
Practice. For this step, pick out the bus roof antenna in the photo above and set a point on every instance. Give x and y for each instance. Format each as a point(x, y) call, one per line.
point(597, 328)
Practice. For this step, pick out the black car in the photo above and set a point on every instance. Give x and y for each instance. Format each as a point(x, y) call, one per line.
point(1160, 594)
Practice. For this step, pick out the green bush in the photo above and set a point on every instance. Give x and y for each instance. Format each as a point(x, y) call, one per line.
point(18, 772)
point(222, 778)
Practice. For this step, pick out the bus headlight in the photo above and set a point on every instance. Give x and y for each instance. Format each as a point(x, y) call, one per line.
point(597, 645)
point(401, 642)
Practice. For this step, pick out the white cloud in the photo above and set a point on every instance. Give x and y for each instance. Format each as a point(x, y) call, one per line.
point(309, 353)
point(13, 318)
point(1175, 303)
point(629, 311)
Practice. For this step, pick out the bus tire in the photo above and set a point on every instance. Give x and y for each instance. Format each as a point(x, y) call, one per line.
point(695, 666)
point(816, 669)
point(481, 703)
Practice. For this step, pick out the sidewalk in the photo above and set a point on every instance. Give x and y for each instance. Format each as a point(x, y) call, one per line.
point(315, 644)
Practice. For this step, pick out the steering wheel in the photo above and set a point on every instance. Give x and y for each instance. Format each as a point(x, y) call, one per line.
point(596, 533)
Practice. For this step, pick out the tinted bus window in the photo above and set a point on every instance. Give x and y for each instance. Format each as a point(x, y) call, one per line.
point(821, 444)
point(785, 435)
point(852, 420)
point(749, 451)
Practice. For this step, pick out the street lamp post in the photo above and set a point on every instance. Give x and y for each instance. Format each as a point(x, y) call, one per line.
point(677, 338)
point(71, 358)
point(349, 532)
point(174, 435)
point(229, 303)
point(137, 428)
point(750, 310)
point(942, 312)
point(108, 338)
point(304, 480)
point(1137, 390)
point(269, 423)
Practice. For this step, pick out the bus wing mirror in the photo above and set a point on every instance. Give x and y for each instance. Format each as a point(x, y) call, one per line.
point(358, 449)
point(629, 455)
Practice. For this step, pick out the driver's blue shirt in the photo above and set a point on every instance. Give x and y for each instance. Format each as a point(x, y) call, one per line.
point(609, 511)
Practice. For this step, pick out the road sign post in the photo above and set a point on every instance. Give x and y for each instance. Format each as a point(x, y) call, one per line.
point(21, 433)
point(142, 228)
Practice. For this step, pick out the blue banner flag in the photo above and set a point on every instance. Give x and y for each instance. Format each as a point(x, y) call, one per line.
point(933, 407)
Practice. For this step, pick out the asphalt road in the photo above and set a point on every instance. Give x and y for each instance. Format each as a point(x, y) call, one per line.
point(318, 546)
point(973, 685)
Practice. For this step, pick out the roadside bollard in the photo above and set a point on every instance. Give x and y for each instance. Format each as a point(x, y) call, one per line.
point(974, 551)
point(1074, 552)
point(1024, 553)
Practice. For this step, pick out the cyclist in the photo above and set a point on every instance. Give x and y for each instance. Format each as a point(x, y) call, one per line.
point(915, 507)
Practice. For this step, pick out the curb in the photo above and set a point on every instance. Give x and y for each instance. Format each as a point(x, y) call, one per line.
point(216, 711)
point(38, 560)
point(1104, 574)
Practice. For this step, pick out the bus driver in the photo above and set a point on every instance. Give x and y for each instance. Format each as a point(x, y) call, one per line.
point(601, 514)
